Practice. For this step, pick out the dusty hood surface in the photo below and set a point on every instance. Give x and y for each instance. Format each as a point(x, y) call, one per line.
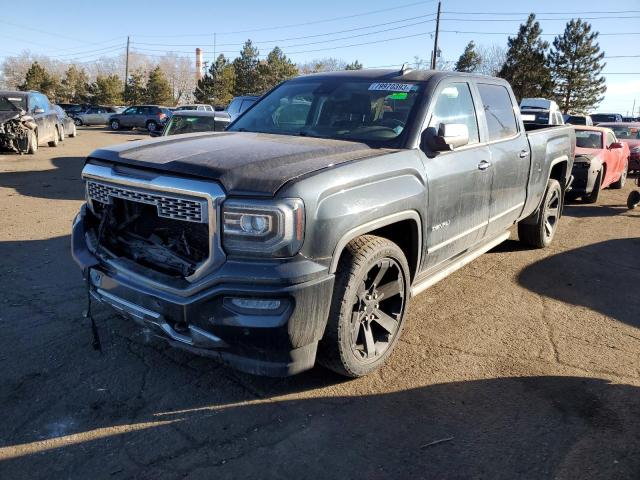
point(243, 162)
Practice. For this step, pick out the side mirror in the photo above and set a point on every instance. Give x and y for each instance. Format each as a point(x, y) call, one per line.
point(616, 145)
point(38, 110)
point(447, 137)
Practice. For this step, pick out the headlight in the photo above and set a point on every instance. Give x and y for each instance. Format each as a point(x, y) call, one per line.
point(263, 228)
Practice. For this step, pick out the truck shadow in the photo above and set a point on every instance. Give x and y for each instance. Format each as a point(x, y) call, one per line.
point(544, 427)
point(582, 211)
point(60, 183)
point(603, 276)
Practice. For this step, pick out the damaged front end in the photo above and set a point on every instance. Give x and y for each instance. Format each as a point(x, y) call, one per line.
point(16, 132)
point(152, 222)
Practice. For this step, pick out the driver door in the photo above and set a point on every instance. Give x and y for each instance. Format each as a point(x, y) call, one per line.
point(459, 181)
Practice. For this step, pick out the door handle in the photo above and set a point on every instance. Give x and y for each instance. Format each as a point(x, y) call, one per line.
point(483, 165)
point(524, 154)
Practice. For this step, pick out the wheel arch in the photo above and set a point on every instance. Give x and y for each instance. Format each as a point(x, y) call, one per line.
point(403, 228)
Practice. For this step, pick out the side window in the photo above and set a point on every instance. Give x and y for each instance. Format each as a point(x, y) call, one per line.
point(610, 139)
point(130, 111)
point(455, 105)
point(246, 104)
point(498, 110)
point(234, 106)
point(44, 101)
point(34, 102)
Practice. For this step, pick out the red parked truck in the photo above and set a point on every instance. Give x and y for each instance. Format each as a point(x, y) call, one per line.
point(600, 161)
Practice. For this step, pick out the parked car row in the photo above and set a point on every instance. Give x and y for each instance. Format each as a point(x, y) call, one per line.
point(29, 120)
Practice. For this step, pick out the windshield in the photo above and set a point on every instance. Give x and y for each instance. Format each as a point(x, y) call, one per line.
point(626, 132)
point(535, 116)
point(575, 120)
point(588, 139)
point(334, 108)
point(603, 117)
point(12, 103)
point(186, 124)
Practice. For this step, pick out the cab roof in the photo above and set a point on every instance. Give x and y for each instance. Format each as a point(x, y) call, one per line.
point(391, 75)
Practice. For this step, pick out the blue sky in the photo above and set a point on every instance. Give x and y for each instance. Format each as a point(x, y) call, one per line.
point(85, 30)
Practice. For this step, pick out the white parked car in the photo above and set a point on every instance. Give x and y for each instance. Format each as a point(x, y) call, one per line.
point(95, 115)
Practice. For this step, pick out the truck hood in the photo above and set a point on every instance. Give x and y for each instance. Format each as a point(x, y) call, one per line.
point(242, 162)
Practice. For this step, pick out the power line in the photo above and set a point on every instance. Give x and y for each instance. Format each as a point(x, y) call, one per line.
point(294, 38)
point(544, 34)
point(537, 19)
point(315, 22)
point(545, 13)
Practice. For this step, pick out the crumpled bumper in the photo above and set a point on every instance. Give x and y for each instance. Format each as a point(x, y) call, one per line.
point(227, 320)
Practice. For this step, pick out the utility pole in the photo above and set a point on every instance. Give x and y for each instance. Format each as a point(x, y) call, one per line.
point(633, 110)
point(215, 77)
point(434, 57)
point(126, 69)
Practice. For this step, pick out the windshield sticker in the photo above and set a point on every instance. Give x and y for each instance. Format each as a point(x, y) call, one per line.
point(397, 96)
point(392, 87)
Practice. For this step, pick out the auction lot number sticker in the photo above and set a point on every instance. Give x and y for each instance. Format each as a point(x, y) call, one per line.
point(392, 87)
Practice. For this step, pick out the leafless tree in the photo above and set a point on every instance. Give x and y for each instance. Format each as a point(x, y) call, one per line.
point(491, 59)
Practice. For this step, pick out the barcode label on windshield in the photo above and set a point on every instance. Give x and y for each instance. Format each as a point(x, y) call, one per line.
point(392, 87)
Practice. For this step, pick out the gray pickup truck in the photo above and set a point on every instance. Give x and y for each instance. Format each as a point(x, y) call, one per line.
point(301, 232)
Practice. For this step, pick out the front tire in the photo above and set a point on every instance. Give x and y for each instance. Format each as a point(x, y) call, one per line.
point(152, 126)
point(56, 138)
point(77, 122)
point(633, 200)
point(33, 142)
point(623, 178)
point(595, 193)
point(114, 124)
point(541, 233)
point(368, 307)
point(74, 132)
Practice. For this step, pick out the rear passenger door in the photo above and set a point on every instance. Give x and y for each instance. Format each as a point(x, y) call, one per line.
point(509, 156)
point(459, 184)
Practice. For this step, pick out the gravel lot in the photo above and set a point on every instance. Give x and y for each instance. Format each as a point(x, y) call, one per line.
point(524, 364)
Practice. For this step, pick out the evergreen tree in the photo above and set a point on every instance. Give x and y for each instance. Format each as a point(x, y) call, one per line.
point(107, 90)
point(246, 70)
point(37, 78)
point(274, 70)
point(158, 90)
point(354, 66)
point(217, 85)
point(470, 60)
point(74, 86)
point(576, 64)
point(526, 66)
point(135, 92)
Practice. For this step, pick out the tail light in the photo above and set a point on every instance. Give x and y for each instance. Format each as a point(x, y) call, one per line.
point(162, 116)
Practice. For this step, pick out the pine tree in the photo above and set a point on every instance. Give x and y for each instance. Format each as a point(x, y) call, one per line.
point(74, 87)
point(576, 64)
point(217, 85)
point(469, 61)
point(246, 70)
point(135, 92)
point(107, 90)
point(526, 66)
point(354, 66)
point(158, 90)
point(37, 78)
point(274, 70)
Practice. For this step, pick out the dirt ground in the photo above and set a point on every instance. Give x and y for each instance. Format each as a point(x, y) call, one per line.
point(524, 364)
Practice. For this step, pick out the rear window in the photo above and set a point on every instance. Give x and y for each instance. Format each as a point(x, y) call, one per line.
point(588, 139)
point(574, 120)
point(498, 110)
point(627, 133)
point(185, 124)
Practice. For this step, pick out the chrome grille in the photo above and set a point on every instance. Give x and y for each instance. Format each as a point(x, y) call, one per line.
point(176, 208)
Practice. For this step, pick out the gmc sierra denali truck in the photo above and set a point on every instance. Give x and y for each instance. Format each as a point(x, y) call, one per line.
point(301, 232)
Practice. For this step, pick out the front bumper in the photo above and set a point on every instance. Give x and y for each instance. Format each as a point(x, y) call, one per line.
point(584, 178)
point(277, 341)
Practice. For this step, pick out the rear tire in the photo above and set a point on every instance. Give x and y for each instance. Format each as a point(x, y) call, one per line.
point(56, 138)
point(633, 200)
point(541, 233)
point(595, 193)
point(368, 307)
point(152, 126)
point(74, 132)
point(114, 124)
point(77, 122)
point(623, 177)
